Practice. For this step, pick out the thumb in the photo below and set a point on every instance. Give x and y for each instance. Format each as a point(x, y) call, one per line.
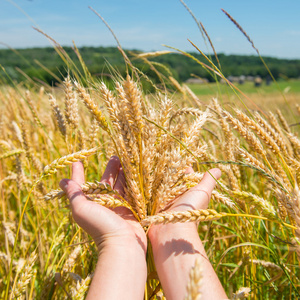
point(95, 219)
point(74, 194)
point(207, 184)
point(198, 197)
point(209, 181)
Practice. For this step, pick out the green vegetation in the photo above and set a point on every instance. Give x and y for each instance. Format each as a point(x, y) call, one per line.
point(46, 65)
point(287, 86)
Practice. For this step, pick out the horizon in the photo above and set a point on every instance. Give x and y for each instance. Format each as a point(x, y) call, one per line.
point(146, 26)
point(127, 49)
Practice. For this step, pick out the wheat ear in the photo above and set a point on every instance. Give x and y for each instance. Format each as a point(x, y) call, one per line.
point(223, 199)
point(91, 105)
point(246, 134)
point(283, 121)
point(266, 264)
point(11, 153)
point(109, 201)
point(32, 108)
point(186, 111)
point(58, 116)
point(183, 216)
point(5, 145)
point(71, 106)
point(278, 139)
point(25, 277)
point(268, 140)
point(17, 131)
point(229, 143)
point(194, 285)
point(242, 293)
point(67, 160)
point(82, 287)
point(266, 207)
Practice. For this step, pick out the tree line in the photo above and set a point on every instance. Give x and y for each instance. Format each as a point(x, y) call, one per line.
point(45, 64)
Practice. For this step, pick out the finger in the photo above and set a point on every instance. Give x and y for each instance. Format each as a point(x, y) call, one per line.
point(189, 170)
point(93, 218)
point(112, 170)
point(73, 192)
point(198, 197)
point(78, 172)
point(206, 185)
point(120, 183)
point(209, 181)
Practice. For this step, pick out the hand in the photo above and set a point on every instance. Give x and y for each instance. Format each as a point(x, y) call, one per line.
point(117, 234)
point(105, 225)
point(176, 246)
point(197, 197)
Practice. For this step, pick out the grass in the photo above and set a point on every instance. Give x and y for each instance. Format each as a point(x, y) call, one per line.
point(211, 89)
point(264, 97)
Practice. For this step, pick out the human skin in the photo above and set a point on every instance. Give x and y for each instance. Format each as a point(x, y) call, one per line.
point(121, 269)
point(177, 246)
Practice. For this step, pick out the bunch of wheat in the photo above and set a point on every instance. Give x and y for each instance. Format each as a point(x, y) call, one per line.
point(155, 148)
point(252, 227)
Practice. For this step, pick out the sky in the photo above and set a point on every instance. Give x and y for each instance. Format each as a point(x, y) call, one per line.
point(274, 26)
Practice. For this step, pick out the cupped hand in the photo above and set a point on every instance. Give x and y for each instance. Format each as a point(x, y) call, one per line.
point(198, 196)
point(104, 225)
point(176, 246)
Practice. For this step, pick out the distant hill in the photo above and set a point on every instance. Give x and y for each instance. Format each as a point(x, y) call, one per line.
point(39, 63)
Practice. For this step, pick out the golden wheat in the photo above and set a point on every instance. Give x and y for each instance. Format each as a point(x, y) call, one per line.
point(194, 284)
point(252, 211)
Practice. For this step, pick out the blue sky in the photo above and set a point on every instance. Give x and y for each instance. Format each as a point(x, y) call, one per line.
point(273, 25)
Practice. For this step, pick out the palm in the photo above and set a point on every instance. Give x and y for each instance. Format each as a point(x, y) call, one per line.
point(102, 223)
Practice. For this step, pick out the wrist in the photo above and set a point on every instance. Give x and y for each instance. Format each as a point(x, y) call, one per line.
point(162, 232)
point(125, 243)
point(121, 260)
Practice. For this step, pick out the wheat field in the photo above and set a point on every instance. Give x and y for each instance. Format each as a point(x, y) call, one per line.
point(251, 230)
